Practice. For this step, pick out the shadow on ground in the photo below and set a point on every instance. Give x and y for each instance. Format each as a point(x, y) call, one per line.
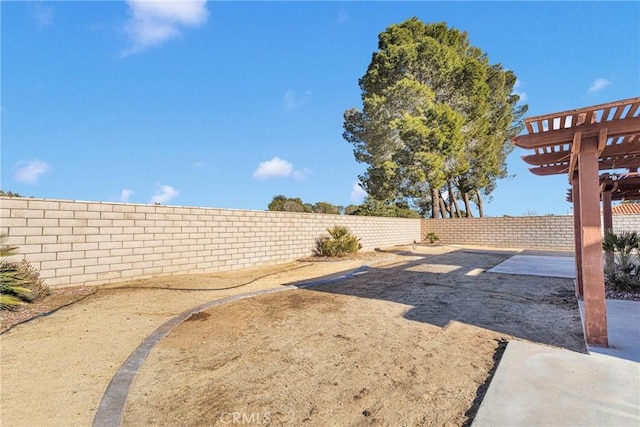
point(413, 339)
point(455, 286)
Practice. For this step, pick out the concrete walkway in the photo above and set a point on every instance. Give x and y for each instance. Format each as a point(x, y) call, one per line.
point(542, 386)
point(536, 385)
point(623, 319)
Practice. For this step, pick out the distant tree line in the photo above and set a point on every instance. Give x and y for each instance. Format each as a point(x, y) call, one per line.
point(370, 207)
point(10, 194)
point(295, 204)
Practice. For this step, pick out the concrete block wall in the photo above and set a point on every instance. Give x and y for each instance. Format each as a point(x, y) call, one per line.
point(530, 232)
point(90, 243)
point(626, 223)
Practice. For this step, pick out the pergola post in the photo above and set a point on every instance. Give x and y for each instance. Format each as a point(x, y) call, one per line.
point(581, 142)
point(595, 309)
point(607, 216)
point(577, 234)
point(607, 221)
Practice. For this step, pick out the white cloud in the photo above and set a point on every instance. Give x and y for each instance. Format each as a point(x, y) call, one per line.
point(598, 85)
point(29, 171)
point(291, 100)
point(273, 168)
point(301, 175)
point(125, 195)
point(151, 23)
point(43, 14)
point(343, 16)
point(199, 164)
point(522, 95)
point(357, 193)
point(164, 194)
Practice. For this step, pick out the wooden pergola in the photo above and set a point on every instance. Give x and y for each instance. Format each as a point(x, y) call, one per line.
point(580, 143)
point(621, 187)
point(614, 187)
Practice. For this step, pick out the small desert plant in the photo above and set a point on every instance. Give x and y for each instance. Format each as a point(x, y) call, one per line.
point(339, 242)
point(623, 282)
point(622, 270)
point(432, 237)
point(19, 281)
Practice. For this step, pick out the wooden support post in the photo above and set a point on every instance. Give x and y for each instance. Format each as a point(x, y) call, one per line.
point(607, 220)
point(577, 234)
point(595, 309)
point(607, 216)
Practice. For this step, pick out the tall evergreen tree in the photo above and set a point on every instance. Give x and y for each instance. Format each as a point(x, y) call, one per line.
point(435, 115)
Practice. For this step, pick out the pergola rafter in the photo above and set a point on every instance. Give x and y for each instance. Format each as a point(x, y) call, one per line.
point(580, 143)
point(623, 187)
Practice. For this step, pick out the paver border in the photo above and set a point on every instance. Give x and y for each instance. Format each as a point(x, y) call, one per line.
point(112, 405)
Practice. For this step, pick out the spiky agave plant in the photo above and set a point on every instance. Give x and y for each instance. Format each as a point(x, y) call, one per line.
point(13, 293)
point(13, 283)
point(622, 271)
point(339, 242)
point(624, 246)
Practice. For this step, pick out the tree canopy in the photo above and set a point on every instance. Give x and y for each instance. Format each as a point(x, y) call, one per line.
point(9, 194)
point(373, 207)
point(295, 204)
point(369, 207)
point(437, 118)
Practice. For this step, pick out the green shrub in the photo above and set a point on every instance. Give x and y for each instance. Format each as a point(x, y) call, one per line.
point(623, 282)
point(19, 281)
point(339, 242)
point(432, 237)
point(622, 271)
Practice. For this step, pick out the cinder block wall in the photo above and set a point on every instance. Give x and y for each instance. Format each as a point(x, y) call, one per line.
point(91, 243)
point(553, 232)
point(626, 223)
point(530, 232)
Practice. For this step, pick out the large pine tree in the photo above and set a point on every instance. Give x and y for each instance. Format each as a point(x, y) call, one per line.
point(436, 114)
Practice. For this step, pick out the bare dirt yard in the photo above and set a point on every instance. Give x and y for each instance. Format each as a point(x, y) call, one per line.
point(411, 341)
point(407, 343)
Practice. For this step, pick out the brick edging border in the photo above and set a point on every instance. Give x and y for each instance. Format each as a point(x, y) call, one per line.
point(110, 412)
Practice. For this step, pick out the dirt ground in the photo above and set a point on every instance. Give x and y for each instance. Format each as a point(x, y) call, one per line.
point(411, 341)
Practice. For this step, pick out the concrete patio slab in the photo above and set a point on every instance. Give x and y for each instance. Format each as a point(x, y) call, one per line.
point(536, 385)
point(623, 324)
point(536, 265)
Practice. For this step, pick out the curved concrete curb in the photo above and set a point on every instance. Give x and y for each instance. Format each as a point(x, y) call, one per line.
point(110, 413)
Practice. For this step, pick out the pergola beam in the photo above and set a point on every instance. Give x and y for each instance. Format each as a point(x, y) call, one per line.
point(619, 186)
point(575, 149)
point(617, 128)
point(617, 150)
point(619, 105)
point(602, 140)
point(621, 163)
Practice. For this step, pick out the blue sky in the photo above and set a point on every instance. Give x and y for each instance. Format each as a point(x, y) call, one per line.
point(227, 104)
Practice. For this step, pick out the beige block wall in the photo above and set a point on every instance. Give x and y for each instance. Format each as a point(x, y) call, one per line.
point(91, 243)
point(530, 232)
point(626, 223)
